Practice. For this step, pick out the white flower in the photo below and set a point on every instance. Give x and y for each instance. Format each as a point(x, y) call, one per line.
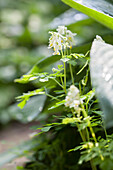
point(56, 49)
point(66, 45)
point(55, 41)
point(70, 38)
point(62, 30)
point(74, 89)
point(61, 39)
point(73, 99)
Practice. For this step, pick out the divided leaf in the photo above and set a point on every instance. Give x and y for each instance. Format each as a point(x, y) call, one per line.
point(25, 97)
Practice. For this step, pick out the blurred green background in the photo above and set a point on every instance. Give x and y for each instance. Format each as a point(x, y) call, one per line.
point(23, 41)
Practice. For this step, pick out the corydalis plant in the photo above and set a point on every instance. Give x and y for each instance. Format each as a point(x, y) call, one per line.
point(61, 41)
point(72, 101)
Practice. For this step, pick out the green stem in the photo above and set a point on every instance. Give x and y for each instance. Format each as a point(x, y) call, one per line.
point(51, 96)
point(62, 81)
point(89, 124)
point(91, 130)
point(57, 82)
point(65, 77)
point(80, 88)
point(84, 140)
point(88, 138)
point(64, 71)
point(71, 73)
point(92, 165)
point(81, 134)
point(87, 107)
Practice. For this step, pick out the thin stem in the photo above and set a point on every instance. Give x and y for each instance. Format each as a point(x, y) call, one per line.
point(62, 53)
point(85, 81)
point(87, 134)
point(51, 96)
point(92, 165)
point(57, 82)
point(81, 134)
point(62, 81)
point(80, 88)
point(84, 140)
point(87, 106)
point(65, 77)
point(67, 50)
point(71, 73)
point(89, 124)
point(64, 72)
point(91, 130)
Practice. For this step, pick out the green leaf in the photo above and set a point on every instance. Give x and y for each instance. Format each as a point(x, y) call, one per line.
point(44, 79)
point(75, 149)
point(85, 65)
point(82, 125)
point(88, 96)
point(102, 76)
point(46, 129)
point(71, 120)
point(22, 104)
point(72, 62)
point(64, 59)
point(100, 10)
point(30, 112)
point(57, 105)
point(41, 65)
point(75, 55)
point(100, 113)
point(25, 97)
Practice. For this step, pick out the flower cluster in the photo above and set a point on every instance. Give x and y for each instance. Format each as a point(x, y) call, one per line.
point(73, 98)
point(61, 39)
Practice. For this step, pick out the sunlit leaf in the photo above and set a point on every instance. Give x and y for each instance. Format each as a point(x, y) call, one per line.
point(57, 105)
point(46, 129)
point(25, 97)
point(101, 11)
